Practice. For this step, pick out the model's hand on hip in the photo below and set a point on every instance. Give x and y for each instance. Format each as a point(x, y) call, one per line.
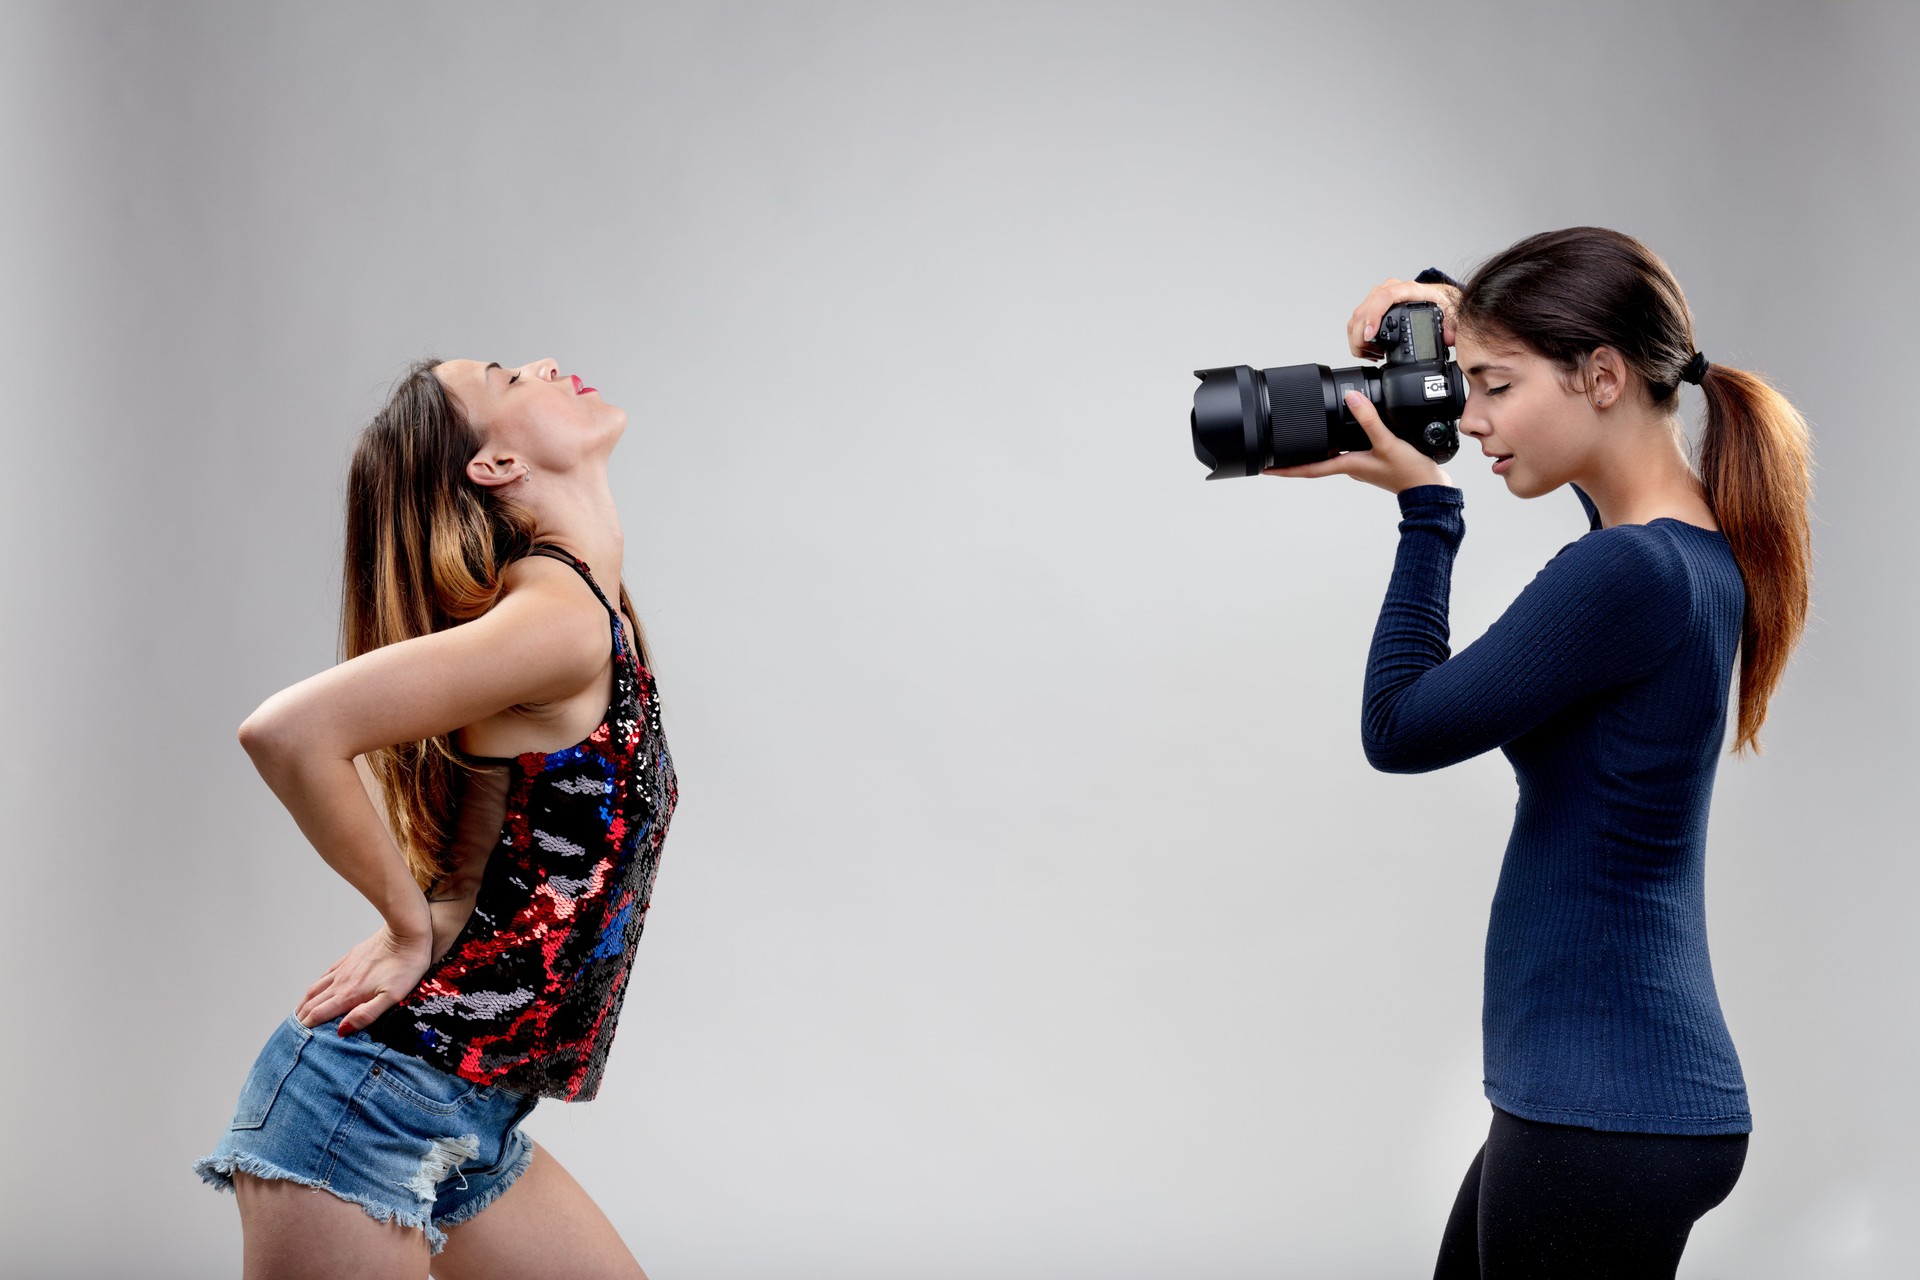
point(1392, 464)
point(369, 980)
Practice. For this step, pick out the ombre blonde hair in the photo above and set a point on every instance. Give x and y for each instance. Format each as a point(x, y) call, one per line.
point(426, 549)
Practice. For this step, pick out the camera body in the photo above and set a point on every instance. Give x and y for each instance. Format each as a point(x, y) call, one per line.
point(1245, 420)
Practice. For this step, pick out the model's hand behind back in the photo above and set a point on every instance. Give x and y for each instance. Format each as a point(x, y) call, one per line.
point(367, 981)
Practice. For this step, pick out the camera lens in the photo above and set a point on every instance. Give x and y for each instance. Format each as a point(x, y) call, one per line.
point(1297, 397)
point(1229, 422)
point(1245, 420)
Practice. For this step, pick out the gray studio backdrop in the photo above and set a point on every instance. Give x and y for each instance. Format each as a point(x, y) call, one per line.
point(1030, 910)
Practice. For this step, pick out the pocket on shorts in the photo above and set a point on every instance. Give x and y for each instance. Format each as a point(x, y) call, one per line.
point(426, 1087)
point(276, 1062)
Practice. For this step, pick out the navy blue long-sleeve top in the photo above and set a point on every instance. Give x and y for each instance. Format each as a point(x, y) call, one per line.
point(1606, 684)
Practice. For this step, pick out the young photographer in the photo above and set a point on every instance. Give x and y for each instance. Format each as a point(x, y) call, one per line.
point(1619, 1108)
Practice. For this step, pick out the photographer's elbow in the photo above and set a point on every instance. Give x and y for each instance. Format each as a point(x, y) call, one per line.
point(1380, 755)
point(1388, 754)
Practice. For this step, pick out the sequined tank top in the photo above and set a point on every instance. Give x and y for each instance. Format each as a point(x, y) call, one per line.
point(558, 851)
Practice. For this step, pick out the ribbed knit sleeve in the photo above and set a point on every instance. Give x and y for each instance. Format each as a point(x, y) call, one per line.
point(1606, 610)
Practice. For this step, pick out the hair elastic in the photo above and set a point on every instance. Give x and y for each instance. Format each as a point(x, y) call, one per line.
point(1695, 369)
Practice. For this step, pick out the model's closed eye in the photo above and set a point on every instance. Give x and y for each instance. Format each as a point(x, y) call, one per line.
point(1494, 391)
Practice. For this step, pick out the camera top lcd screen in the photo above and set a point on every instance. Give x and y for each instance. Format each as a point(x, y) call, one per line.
point(1423, 346)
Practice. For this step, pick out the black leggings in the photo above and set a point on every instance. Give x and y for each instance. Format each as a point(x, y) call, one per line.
point(1551, 1200)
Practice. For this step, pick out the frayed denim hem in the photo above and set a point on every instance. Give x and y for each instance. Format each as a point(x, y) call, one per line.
point(507, 1179)
point(218, 1171)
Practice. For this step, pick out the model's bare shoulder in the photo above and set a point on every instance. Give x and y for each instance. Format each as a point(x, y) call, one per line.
point(550, 605)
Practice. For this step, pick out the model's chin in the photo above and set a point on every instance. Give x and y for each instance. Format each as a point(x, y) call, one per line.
point(609, 424)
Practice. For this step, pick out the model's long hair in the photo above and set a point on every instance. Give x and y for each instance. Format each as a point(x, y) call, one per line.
point(1562, 294)
point(426, 550)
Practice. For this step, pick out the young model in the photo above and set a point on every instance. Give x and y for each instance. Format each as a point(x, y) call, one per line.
point(1619, 1110)
point(487, 768)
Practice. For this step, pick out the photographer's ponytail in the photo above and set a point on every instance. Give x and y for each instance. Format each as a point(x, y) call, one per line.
point(1755, 461)
point(1564, 293)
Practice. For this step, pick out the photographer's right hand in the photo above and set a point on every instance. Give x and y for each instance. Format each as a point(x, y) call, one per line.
point(1367, 316)
point(1390, 463)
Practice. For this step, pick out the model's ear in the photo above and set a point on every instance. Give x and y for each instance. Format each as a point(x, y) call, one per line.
point(1606, 377)
point(492, 473)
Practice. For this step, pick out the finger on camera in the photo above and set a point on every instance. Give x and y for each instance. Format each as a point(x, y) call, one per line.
point(1366, 415)
point(1366, 321)
point(1367, 316)
point(1363, 318)
point(1382, 299)
point(1335, 466)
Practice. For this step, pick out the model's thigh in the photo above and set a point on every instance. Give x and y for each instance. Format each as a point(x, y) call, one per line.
point(295, 1232)
point(1460, 1243)
point(1569, 1202)
point(543, 1227)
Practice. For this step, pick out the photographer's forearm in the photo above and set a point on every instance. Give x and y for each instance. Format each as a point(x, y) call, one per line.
point(1399, 733)
point(332, 809)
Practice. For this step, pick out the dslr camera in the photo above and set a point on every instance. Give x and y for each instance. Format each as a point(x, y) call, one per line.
point(1246, 420)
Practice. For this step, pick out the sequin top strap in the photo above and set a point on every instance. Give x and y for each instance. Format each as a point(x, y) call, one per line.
point(579, 566)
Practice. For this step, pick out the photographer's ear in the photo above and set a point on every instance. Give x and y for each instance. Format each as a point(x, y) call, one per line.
point(1606, 377)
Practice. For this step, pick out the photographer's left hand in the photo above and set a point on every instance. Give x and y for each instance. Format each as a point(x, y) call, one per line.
point(1392, 464)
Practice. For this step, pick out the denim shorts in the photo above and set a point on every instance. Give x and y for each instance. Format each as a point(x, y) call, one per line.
point(404, 1140)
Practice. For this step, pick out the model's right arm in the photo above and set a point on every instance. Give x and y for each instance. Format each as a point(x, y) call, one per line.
point(544, 639)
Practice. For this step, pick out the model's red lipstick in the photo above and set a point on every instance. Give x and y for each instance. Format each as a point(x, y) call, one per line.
point(577, 388)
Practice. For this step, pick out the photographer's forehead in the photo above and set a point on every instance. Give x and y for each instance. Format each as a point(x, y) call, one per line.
point(1478, 361)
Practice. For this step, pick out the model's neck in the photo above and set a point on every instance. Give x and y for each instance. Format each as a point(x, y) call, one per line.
point(575, 510)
